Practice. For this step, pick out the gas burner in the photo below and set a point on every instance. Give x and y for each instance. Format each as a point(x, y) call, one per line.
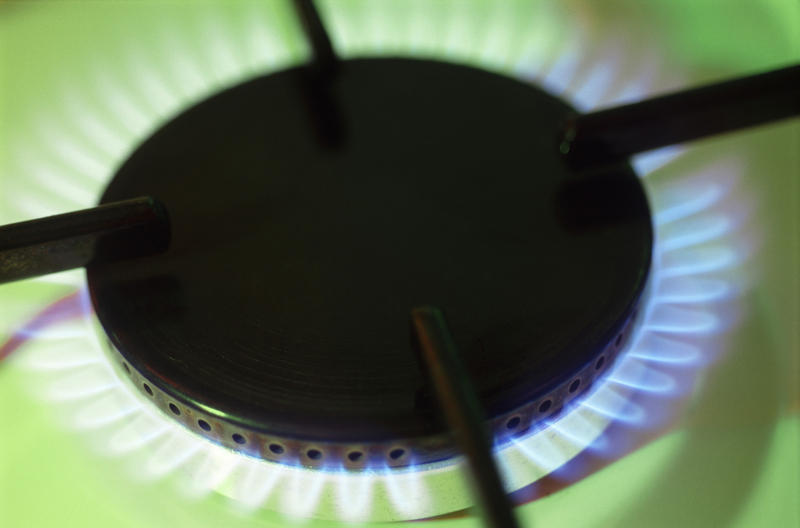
point(277, 321)
point(310, 215)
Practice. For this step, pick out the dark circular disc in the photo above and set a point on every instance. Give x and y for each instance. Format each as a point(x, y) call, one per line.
point(308, 219)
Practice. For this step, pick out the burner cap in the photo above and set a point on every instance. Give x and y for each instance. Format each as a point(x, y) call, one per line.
point(309, 218)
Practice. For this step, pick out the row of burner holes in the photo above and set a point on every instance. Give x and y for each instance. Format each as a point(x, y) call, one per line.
point(276, 449)
point(514, 422)
point(394, 454)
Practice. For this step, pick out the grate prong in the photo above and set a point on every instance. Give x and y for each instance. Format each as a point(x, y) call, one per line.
point(112, 231)
point(460, 406)
point(325, 60)
point(610, 136)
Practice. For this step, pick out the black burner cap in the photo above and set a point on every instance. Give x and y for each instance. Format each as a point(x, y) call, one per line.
point(308, 220)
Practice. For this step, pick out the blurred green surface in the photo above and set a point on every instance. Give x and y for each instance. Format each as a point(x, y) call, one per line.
point(733, 461)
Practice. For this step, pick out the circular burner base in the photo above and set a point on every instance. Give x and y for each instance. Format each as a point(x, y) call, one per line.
point(309, 218)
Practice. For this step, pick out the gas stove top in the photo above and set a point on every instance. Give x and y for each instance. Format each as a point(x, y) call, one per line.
point(708, 259)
